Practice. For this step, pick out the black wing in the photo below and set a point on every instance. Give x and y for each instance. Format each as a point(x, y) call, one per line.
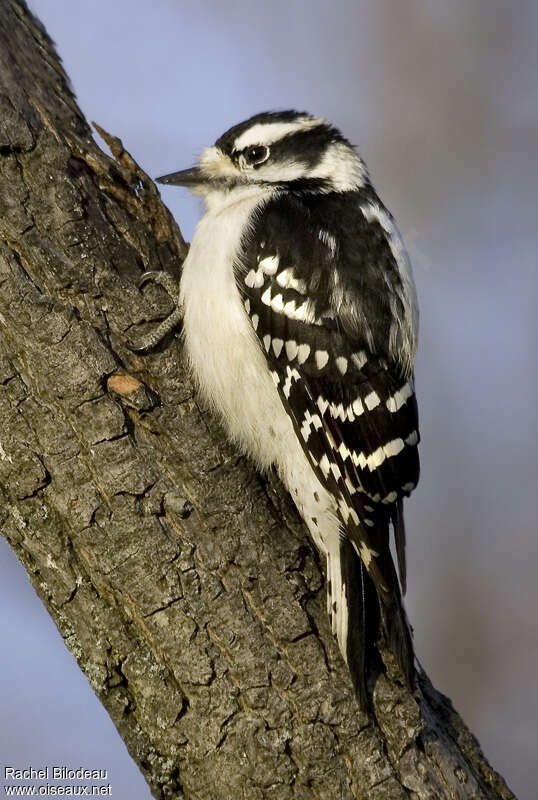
point(313, 274)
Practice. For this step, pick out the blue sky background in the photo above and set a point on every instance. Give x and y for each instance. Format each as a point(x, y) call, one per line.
point(442, 100)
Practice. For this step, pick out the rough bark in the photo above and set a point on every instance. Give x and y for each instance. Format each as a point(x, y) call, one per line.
point(183, 583)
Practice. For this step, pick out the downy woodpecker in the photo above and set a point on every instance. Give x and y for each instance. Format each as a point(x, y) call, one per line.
point(300, 326)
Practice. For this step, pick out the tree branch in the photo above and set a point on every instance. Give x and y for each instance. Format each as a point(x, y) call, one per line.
point(184, 584)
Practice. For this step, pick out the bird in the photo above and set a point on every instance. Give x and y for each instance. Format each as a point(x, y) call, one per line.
point(300, 323)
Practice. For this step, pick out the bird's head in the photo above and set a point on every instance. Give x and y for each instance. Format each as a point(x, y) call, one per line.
point(275, 150)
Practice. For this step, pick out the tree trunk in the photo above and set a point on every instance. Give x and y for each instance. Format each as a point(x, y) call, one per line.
point(184, 584)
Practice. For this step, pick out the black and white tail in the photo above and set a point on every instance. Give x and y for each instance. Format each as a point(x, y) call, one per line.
point(357, 612)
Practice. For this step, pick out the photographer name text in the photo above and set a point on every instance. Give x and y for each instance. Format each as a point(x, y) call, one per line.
point(54, 774)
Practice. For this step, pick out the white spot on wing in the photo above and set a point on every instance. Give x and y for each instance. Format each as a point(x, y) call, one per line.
point(291, 349)
point(254, 279)
point(277, 304)
point(394, 447)
point(303, 351)
point(321, 357)
point(269, 265)
point(341, 363)
point(372, 400)
point(266, 297)
point(400, 397)
point(412, 439)
point(278, 344)
point(357, 407)
point(324, 465)
point(329, 240)
point(359, 359)
point(390, 498)
point(322, 404)
point(287, 280)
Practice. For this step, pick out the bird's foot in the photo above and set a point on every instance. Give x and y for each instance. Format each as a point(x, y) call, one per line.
point(152, 339)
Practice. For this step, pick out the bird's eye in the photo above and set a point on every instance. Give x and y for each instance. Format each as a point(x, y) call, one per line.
point(256, 154)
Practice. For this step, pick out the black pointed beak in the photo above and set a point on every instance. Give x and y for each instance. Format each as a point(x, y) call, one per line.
point(187, 177)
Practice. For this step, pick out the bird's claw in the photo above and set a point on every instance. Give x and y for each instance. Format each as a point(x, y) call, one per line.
point(156, 336)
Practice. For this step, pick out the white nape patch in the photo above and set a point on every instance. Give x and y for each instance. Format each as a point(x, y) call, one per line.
point(341, 167)
point(278, 344)
point(400, 397)
point(269, 132)
point(328, 240)
point(287, 280)
point(341, 363)
point(408, 326)
point(371, 401)
point(291, 349)
point(269, 265)
point(321, 358)
point(255, 321)
point(359, 359)
point(254, 279)
point(303, 351)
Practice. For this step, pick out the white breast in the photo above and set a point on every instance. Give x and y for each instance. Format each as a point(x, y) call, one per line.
point(230, 367)
point(221, 345)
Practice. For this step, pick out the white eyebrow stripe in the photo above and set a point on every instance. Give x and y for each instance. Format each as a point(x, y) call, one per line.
point(269, 132)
